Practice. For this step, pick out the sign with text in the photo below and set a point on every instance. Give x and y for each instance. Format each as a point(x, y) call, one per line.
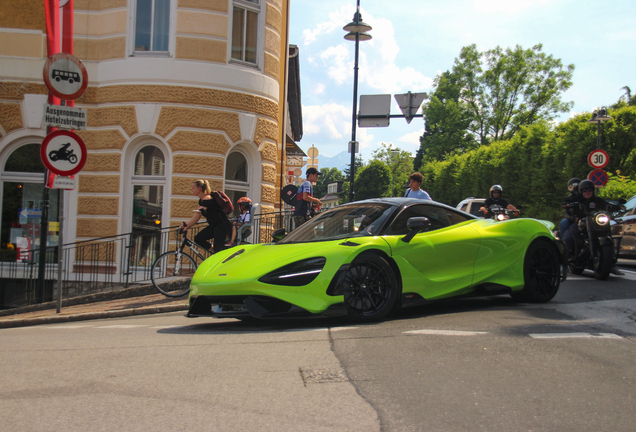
point(65, 117)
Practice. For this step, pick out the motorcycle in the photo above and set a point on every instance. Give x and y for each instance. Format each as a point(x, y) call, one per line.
point(499, 213)
point(594, 247)
point(63, 154)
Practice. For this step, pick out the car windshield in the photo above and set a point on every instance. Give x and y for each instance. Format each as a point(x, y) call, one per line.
point(352, 220)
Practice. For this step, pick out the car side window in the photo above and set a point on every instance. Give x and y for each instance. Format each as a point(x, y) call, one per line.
point(436, 215)
point(455, 218)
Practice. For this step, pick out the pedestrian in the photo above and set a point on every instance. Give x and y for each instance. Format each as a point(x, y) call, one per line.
point(219, 226)
point(414, 191)
point(306, 204)
point(245, 208)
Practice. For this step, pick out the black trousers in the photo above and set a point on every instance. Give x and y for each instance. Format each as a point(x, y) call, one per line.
point(218, 233)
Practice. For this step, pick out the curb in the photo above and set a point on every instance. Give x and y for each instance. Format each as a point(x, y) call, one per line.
point(91, 316)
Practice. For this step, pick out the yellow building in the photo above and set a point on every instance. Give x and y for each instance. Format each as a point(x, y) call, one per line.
point(178, 90)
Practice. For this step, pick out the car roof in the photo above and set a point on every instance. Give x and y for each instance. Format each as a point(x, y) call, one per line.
point(400, 201)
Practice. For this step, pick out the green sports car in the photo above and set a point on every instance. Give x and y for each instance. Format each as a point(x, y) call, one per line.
point(370, 258)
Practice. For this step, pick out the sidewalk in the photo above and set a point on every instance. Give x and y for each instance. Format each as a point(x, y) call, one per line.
point(127, 302)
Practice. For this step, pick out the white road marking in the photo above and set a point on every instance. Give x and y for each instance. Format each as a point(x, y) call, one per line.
point(445, 332)
point(574, 335)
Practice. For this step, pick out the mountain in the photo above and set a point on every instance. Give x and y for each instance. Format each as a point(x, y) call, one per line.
point(341, 161)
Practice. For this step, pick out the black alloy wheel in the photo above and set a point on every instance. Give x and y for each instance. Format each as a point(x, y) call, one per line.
point(370, 288)
point(541, 273)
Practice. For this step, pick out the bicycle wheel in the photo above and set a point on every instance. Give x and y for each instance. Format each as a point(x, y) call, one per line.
point(167, 268)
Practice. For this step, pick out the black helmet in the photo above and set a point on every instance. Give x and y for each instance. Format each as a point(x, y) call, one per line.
point(496, 188)
point(573, 185)
point(586, 184)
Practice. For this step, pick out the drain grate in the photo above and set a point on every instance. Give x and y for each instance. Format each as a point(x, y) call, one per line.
point(322, 376)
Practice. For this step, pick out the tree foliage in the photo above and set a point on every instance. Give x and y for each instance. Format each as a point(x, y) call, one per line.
point(373, 181)
point(328, 175)
point(489, 96)
point(400, 164)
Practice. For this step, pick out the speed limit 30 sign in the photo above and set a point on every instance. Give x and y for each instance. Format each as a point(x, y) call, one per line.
point(598, 159)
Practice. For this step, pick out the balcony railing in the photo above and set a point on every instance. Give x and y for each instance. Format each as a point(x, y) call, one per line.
point(103, 264)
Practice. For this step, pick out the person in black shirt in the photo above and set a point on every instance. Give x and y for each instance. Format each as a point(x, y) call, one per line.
point(219, 225)
point(495, 199)
point(588, 203)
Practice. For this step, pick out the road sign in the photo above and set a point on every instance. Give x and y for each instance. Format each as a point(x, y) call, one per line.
point(409, 103)
point(312, 152)
point(65, 117)
point(378, 106)
point(355, 146)
point(65, 76)
point(63, 153)
point(598, 177)
point(598, 159)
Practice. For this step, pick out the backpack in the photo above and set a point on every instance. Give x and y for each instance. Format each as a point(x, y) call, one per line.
point(223, 201)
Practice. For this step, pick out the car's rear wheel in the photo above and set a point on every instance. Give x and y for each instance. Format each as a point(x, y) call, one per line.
point(541, 273)
point(370, 288)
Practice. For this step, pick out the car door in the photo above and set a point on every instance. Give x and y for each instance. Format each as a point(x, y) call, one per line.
point(441, 261)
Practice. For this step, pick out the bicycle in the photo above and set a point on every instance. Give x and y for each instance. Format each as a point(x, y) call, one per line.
point(175, 263)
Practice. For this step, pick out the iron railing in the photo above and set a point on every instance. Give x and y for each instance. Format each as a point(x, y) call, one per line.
point(103, 264)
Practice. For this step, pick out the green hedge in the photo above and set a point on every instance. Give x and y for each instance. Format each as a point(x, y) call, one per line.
point(536, 164)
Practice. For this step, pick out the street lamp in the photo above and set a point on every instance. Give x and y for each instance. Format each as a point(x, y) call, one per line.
point(599, 116)
point(356, 32)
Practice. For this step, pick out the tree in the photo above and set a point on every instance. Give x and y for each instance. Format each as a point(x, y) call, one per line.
point(489, 96)
point(329, 175)
point(373, 181)
point(400, 163)
point(346, 187)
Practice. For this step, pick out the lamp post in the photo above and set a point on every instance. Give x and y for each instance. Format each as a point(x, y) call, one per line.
point(599, 116)
point(356, 32)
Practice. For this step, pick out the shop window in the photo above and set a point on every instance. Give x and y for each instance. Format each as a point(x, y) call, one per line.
point(22, 181)
point(148, 187)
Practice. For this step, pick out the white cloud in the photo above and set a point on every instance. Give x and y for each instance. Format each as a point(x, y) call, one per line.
point(377, 58)
point(319, 88)
point(413, 137)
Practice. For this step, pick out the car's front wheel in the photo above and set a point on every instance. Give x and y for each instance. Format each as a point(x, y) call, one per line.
point(370, 288)
point(541, 273)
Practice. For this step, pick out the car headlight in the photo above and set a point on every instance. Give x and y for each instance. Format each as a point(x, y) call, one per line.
point(602, 219)
point(296, 274)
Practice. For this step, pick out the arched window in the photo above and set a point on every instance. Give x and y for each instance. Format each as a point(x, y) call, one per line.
point(148, 181)
point(22, 184)
point(237, 183)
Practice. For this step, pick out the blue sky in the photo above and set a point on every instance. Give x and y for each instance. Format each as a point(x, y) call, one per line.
point(415, 40)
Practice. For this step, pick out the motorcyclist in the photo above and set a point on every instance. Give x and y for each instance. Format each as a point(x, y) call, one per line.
point(589, 203)
point(569, 219)
point(496, 191)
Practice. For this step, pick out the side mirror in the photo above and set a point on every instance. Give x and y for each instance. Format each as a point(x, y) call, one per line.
point(415, 225)
point(278, 235)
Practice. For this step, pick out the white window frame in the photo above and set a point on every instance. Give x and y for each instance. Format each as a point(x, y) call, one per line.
point(172, 39)
point(254, 7)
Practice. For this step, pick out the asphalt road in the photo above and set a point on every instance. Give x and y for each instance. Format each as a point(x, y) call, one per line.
point(468, 365)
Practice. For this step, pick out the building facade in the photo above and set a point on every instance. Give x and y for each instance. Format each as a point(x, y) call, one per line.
point(178, 90)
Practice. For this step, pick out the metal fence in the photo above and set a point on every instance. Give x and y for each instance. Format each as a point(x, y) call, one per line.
point(103, 264)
